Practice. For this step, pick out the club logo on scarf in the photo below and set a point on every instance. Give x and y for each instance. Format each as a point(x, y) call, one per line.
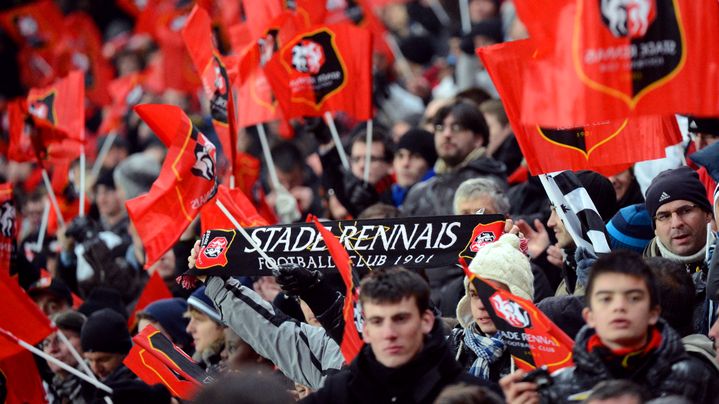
point(321, 70)
point(44, 108)
point(218, 103)
point(626, 48)
point(7, 219)
point(481, 235)
point(215, 252)
point(510, 311)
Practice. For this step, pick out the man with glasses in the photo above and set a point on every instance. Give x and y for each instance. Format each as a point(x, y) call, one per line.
point(681, 214)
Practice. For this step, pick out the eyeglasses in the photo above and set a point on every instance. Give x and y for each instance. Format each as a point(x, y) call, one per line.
point(453, 128)
point(681, 211)
point(372, 159)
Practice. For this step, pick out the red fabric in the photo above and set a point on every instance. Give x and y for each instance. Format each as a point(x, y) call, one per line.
point(61, 105)
point(239, 206)
point(125, 92)
point(247, 172)
point(653, 343)
point(21, 317)
point(21, 379)
point(187, 180)
point(8, 227)
point(155, 289)
point(360, 13)
point(593, 147)
point(143, 339)
point(351, 341)
point(151, 370)
point(20, 145)
point(709, 183)
point(332, 73)
point(594, 73)
point(43, 15)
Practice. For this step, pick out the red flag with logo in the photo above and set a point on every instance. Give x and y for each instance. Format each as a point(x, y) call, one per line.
point(20, 379)
point(125, 93)
point(531, 337)
point(187, 180)
point(21, 317)
point(328, 68)
point(351, 341)
point(20, 144)
point(155, 289)
point(8, 227)
point(595, 147)
point(150, 369)
point(61, 106)
point(614, 59)
point(359, 13)
point(209, 63)
point(239, 206)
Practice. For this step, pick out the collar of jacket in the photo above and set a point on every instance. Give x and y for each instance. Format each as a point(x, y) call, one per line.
point(440, 167)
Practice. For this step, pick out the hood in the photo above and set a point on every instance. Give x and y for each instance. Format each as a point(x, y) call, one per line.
point(488, 165)
point(707, 158)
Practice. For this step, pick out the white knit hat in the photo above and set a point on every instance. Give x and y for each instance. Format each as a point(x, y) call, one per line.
point(501, 261)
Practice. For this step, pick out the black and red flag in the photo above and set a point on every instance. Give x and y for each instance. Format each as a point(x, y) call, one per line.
point(614, 59)
point(328, 68)
point(186, 182)
point(602, 146)
point(351, 341)
point(61, 106)
point(532, 338)
point(8, 227)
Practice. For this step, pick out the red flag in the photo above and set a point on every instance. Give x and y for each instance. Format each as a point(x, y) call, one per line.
point(35, 25)
point(611, 61)
point(187, 180)
point(351, 341)
point(325, 69)
point(21, 317)
point(61, 106)
point(8, 227)
point(359, 13)
point(247, 172)
point(539, 343)
point(597, 147)
point(151, 370)
point(20, 145)
point(198, 39)
point(20, 379)
point(239, 206)
point(155, 289)
point(125, 93)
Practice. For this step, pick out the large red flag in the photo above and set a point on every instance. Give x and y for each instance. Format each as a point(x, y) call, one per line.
point(155, 289)
point(187, 180)
point(20, 380)
point(8, 227)
point(21, 317)
point(36, 25)
point(360, 13)
point(151, 370)
point(351, 341)
point(209, 63)
point(596, 147)
point(125, 93)
point(61, 106)
point(611, 61)
point(328, 68)
point(239, 206)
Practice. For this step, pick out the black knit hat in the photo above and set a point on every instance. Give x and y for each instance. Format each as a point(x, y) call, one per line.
point(601, 191)
point(421, 142)
point(51, 286)
point(709, 126)
point(106, 331)
point(677, 184)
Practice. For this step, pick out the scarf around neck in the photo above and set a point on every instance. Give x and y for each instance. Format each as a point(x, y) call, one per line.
point(487, 349)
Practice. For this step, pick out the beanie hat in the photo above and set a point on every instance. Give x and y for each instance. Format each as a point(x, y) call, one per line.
point(200, 302)
point(51, 286)
point(501, 261)
point(105, 178)
point(602, 192)
point(106, 331)
point(103, 298)
point(630, 228)
point(417, 49)
point(170, 314)
point(421, 142)
point(677, 184)
point(136, 174)
point(709, 126)
point(69, 321)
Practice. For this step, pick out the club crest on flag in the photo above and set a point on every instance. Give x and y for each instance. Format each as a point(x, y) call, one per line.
point(585, 139)
point(43, 107)
point(641, 47)
point(204, 166)
point(215, 252)
point(218, 103)
point(481, 235)
point(317, 68)
point(510, 311)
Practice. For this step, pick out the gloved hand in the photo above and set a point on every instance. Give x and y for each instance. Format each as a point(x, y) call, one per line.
point(286, 207)
point(295, 279)
point(360, 194)
point(317, 127)
point(584, 259)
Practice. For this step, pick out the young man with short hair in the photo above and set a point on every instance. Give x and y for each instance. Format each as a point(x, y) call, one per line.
point(624, 339)
point(406, 358)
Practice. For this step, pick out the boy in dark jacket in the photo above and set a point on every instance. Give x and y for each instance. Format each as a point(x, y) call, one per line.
point(624, 339)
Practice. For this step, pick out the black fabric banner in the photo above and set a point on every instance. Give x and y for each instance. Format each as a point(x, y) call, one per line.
point(417, 242)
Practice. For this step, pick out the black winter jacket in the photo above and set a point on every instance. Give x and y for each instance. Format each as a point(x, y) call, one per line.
point(669, 371)
point(421, 380)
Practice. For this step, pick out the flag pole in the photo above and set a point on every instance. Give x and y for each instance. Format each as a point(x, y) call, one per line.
point(402, 62)
point(285, 203)
point(270, 262)
point(336, 137)
point(368, 150)
point(53, 199)
point(464, 14)
point(104, 150)
point(43, 226)
point(57, 362)
point(82, 181)
point(268, 156)
point(440, 12)
point(75, 354)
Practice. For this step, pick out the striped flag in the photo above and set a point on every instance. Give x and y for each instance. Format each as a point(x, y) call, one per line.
point(577, 210)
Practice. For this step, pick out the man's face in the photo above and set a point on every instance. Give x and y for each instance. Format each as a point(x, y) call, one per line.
point(395, 331)
point(472, 205)
point(619, 310)
point(621, 183)
point(479, 313)
point(54, 347)
point(409, 167)
point(204, 331)
point(378, 166)
point(681, 226)
point(564, 240)
point(103, 364)
point(108, 201)
point(454, 142)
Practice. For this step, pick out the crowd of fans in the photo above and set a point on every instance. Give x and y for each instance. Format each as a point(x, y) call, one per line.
point(642, 317)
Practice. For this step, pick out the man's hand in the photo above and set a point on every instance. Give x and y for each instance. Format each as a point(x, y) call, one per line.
point(295, 279)
point(538, 239)
point(193, 258)
point(518, 392)
point(555, 256)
